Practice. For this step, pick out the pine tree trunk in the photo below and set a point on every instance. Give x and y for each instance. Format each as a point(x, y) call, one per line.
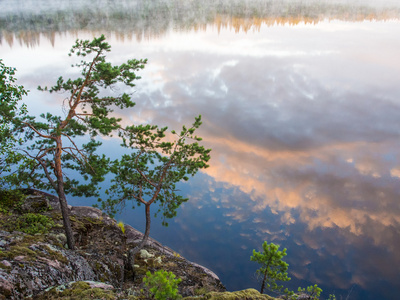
point(61, 195)
point(265, 275)
point(132, 252)
point(263, 282)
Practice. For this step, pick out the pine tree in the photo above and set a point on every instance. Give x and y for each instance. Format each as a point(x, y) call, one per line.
point(273, 268)
point(54, 146)
point(149, 174)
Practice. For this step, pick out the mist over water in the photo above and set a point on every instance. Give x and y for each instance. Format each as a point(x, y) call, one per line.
point(300, 102)
point(152, 19)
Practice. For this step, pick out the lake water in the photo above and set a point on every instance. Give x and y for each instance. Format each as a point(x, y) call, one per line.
point(301, 106)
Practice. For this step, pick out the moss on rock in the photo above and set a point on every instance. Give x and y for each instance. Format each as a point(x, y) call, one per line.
point(77, 290)
point(249, 294)
point(11, 200)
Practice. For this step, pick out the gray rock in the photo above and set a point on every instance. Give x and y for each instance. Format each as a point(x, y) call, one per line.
point(134, 237)
point(35, 204)
point(92, 212)
point(43, 266)
point(52, 200)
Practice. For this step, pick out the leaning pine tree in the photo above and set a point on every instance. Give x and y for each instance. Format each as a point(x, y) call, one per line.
point(54, 146)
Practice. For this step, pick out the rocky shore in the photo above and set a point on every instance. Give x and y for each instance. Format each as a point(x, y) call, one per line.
point(39, 266)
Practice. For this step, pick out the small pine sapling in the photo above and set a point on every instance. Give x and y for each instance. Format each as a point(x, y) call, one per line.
point(162, 285)
point(272, 269)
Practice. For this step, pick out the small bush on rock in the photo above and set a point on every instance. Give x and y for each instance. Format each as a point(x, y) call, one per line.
point(11, 200)
point(312, 292)
point(34, 223)
point(162, 285)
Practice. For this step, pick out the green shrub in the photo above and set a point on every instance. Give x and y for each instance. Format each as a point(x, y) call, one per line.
point(11, 200)
point(313, 292)
point(162, 285)
point(34, 223)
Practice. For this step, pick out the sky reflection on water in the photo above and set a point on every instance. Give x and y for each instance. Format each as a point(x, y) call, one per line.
point(303, 121)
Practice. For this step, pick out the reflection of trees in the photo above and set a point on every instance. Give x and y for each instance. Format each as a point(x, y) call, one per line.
point(146, 19)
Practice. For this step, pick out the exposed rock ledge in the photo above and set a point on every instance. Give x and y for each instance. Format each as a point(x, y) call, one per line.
point(40, 267)
point(134, 236)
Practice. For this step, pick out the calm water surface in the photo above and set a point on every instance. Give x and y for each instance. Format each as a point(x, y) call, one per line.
point(301, 106)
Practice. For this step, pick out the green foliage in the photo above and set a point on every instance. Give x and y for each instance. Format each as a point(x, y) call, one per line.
point(162, 285)
point(150, 173)
point(52, 141)
point(273, 268)
point(313, 292)
point(34, 223)
point(87, 112)
point(11, 200)
point(10, 95)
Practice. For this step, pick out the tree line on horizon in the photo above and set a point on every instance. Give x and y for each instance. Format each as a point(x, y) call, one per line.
point(144, 19)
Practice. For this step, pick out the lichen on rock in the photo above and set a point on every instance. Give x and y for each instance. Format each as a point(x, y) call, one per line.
point(34, 266)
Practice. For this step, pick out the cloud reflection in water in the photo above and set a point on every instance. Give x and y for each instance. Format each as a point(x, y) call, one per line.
point(311, 136)
point(303, 122)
